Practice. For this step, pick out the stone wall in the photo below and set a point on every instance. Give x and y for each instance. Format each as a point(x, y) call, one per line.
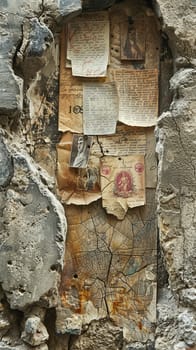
point(33, 223)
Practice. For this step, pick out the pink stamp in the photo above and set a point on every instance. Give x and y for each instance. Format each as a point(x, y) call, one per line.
point(105, 170)
point(123, 184)
point(139, 167)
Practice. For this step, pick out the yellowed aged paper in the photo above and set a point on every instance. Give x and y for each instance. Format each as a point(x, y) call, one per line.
point(122, 183)
point(100, 108)
point(70, 96)
point(127, 140)
point(138, 96)
point(88, 44)
point(79, 186)
point(70, 103)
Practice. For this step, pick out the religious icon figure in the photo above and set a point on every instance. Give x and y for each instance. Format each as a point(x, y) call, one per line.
point(80, 151)
point(123, 184)
point(132, 41)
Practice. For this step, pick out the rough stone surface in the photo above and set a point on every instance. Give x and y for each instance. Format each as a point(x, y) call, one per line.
point(36, 41)
point(35, 333)
point(34, 225)
point(102, 334)
point(6, 166)
point(3, 346)
point(179, 22)
point(32, 222)
point(176, 150)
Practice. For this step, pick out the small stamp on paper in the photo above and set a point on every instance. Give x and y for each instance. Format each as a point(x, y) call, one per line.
point(139, 168)
point(123, 184)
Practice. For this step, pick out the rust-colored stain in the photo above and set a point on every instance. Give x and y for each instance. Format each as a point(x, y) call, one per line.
point(103, 267)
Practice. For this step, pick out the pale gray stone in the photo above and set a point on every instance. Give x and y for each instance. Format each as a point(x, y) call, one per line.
point(188, 297)
point(187, 327)
point(6, 164)
point(35, 333)
point(176, 149)
point(67, 322)
point(32, 54)
point(36, 230)
point(4, 346)
point(100, 334)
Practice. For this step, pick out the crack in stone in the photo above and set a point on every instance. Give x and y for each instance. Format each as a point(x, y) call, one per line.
point(182, 145)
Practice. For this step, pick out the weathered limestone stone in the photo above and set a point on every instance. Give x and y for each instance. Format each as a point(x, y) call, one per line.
point(32, 245)
point(179, 22)
point(175, 326)
point(6, 164)
point(176, 149)
point(4, 321)
point(35, 333)
point(67, 322)
point(177, 182)
point(11, 86)
point(188, 297)
point(100, 335)
point(139, 346)
point(31, 56)
point(167, 328)
point(187, 327)
point(4, 346)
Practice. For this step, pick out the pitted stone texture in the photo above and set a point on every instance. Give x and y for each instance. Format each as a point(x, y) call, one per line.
point(100, 335)
point(187, 327)
point(35, 333)
point(167, 314)
point(6, 165)
point(179, 21)
point(176, 150)
point(175, 325)
point(4, 346)
point(188, 297)
point(68, 322)
point(4, 321)
point(32, 244)
point(32, 54)
point(11, 86)
point(139, 346)
point(177, 181)
point(57, 8)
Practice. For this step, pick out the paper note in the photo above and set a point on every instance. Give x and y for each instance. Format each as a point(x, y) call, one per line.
point(100, 108)
point(138, 96)
point(76, 185)
point(88, 44)
point(122, 183)
point(126, 141)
